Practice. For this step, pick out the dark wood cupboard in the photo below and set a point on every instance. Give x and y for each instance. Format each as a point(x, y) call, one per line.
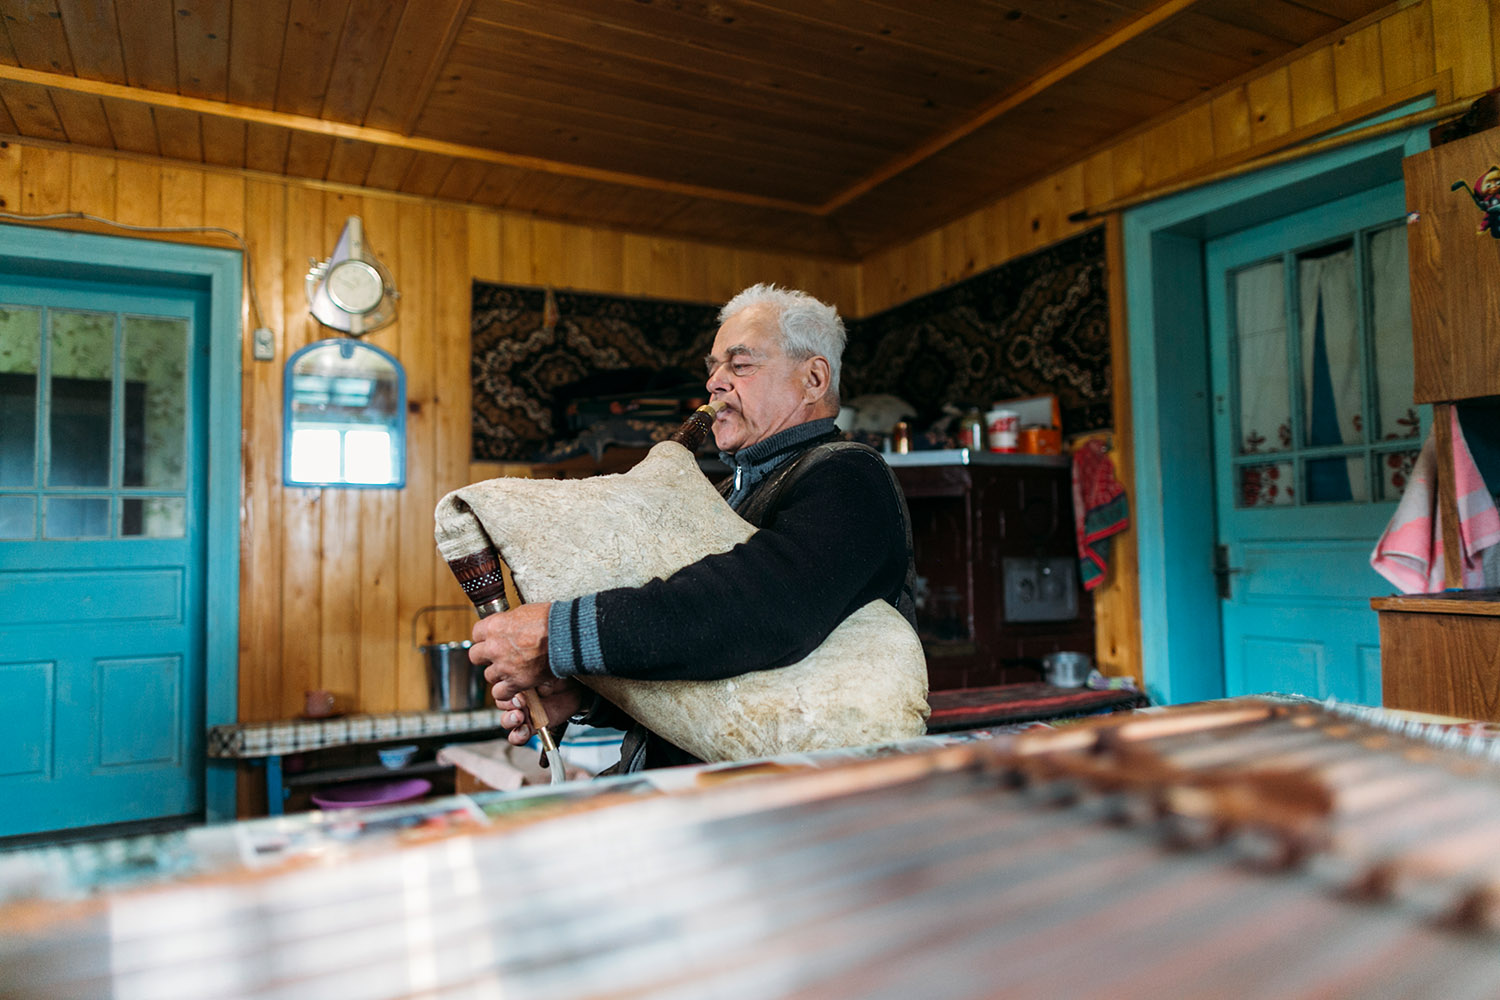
point(997, 562)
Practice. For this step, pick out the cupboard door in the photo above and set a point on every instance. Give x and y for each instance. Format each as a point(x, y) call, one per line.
point(1453, 197)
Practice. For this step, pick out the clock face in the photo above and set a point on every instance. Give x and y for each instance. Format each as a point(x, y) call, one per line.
point(355, 286)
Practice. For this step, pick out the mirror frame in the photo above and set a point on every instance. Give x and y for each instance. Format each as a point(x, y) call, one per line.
point(347, 347)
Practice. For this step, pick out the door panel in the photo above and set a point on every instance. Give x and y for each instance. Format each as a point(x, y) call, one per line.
point(1314, 435)
point(102, 553)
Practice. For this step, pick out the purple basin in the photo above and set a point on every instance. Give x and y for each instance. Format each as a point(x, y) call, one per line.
point(372, 793)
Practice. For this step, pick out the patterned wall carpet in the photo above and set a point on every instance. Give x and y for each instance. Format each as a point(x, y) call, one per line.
point(1034, 325)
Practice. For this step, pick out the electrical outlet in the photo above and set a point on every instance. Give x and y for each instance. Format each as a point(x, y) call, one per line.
point(263, 344)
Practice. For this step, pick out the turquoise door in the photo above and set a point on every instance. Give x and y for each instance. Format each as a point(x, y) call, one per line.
point(1314, 436)
point(103, 445)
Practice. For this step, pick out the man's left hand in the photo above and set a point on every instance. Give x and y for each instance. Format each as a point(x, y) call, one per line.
point(512, 647)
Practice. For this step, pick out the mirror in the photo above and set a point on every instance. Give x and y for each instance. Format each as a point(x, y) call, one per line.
point(345, 416)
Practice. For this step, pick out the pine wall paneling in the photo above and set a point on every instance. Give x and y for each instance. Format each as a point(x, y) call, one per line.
point(332, 581)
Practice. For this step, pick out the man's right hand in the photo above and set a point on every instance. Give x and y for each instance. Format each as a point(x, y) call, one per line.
point(560, 698)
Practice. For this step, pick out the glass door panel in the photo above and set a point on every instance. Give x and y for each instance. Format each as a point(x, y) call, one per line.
point(1329, 380)
point(113, 462)
point(20, 363)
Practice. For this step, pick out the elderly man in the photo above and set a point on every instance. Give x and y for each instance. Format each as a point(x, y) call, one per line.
point(834, 535)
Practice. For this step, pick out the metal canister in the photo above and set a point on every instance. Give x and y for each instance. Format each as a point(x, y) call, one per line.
point(1005, 426)
point(901, 437)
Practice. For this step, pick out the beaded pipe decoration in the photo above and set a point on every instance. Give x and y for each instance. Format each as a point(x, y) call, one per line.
point(480, 575)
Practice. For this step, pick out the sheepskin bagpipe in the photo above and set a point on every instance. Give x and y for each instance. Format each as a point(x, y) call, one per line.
point(866, 683)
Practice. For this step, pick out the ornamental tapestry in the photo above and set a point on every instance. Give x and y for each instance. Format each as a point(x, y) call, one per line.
point(1039, 324)
point(525, 353)
point(1035, 325)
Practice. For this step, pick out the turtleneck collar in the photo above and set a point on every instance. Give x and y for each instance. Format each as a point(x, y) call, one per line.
point(751, 464)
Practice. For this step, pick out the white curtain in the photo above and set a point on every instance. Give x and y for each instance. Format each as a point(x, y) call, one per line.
point(1330, 284)
point(1264, 384)
point(1390, 293)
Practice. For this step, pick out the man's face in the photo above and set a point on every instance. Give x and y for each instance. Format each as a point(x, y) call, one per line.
point(769, 393)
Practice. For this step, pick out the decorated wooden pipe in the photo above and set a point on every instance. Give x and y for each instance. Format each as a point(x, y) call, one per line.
point(694, 430)
point(483, 582)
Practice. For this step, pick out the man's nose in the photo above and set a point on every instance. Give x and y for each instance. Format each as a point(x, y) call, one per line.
point(716, 380)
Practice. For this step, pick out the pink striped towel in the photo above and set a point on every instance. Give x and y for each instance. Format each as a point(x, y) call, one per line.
point(1410, 552)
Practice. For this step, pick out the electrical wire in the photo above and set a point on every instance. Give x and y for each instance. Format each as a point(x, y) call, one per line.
point(220, 230)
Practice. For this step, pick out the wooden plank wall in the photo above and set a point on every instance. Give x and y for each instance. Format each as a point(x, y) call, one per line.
point(1405, 51)
point(331, 581)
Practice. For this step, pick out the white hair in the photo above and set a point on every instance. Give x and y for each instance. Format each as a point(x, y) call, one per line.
point(808, 328)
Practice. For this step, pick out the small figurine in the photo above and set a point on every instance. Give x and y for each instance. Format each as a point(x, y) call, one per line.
point(1486, 195)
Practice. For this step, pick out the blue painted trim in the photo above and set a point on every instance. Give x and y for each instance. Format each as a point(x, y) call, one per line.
point(1182, 655)
point(218, 273)
point(399, 460)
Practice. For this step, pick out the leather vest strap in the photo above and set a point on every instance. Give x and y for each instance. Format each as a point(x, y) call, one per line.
point(754, 509)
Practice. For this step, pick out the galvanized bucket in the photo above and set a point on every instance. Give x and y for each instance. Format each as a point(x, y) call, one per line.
point(453, 683)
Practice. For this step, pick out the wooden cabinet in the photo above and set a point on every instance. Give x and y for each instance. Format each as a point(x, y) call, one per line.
point(1453, 246)
point(1454, 253)
point(1440, 653)
point(995, 548)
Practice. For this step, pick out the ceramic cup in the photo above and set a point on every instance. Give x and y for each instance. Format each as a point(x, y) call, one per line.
point(317, 704)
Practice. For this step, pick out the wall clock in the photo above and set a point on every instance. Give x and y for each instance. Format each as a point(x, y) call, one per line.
point(352, 291)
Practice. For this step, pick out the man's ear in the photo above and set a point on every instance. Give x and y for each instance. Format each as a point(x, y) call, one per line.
point(815, 380)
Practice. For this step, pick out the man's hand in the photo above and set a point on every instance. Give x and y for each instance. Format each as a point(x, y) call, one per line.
point(512, 647)
point(560, 699)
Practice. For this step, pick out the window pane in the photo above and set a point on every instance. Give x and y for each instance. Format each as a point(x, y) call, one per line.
point(20, 361)
point(1331, 345)
point(153, 517)
point(367, 457)
point(155, 361)
point(315, 455)
point(1263, 386)
point(17, 517)
point(82, 399)
point(1267, 485)
point(1390, 326)
point(1336, 480)
point(1395, 472)
point(77, 517)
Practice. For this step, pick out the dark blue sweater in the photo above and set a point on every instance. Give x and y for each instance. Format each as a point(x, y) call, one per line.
point(831, 540)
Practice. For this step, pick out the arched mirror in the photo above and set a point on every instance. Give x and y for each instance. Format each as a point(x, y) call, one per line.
point(345, 416)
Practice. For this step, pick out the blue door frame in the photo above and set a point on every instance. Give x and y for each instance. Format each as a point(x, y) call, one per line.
point(1167, 317)
point(48, 253)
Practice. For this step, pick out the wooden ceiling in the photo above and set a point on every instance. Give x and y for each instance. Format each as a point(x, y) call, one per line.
point(832, 127)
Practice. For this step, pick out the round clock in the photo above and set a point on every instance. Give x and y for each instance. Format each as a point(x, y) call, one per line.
point(355, 286)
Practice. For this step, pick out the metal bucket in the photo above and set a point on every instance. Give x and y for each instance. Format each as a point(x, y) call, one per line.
point(453, 683)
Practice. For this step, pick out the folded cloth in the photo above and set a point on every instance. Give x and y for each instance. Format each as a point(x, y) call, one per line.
point(499, 765)
point(1100, 509)
point(1410, 551)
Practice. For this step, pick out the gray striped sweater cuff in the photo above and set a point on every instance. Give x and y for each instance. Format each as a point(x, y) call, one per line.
point(573, 638)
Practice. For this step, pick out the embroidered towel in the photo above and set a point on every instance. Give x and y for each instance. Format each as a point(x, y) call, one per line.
point(1410, 552)
point(1100, 509)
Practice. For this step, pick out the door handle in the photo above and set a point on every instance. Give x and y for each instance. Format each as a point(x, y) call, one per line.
point(1223, 571)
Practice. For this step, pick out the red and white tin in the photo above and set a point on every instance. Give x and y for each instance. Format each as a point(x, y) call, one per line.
point(1005, 428)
